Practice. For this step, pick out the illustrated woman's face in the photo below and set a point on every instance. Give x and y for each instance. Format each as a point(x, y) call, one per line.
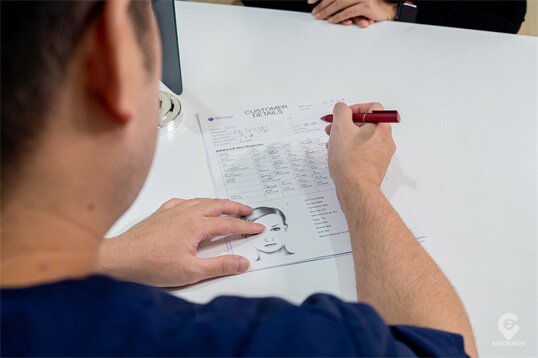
point(274, 236)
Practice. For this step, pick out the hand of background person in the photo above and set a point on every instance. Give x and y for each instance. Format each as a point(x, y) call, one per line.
point(361, 12)
point(161, 250)
point(358, 154)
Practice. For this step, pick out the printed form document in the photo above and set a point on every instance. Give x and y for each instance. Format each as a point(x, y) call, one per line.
point(274, 158)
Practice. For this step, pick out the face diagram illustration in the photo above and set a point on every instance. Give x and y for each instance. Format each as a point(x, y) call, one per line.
point(271, 242)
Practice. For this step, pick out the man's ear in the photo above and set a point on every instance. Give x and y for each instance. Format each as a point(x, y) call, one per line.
point(109, 65)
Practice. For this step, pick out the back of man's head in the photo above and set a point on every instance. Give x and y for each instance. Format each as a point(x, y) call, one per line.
point(38, 41)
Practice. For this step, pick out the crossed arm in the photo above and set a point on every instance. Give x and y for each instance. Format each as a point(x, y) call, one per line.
point(501, 15)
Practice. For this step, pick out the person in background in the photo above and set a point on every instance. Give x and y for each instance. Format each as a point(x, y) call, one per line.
point(501, 16)
point(79, 127)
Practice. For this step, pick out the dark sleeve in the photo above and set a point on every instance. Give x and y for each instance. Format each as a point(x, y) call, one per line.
point(500, 16)
point(291, 5)
point(322, 326)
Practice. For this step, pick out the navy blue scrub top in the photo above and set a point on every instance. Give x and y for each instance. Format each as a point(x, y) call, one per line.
point(101, 316)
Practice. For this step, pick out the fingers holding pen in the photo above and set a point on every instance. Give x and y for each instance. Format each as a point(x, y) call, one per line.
point(366, 107)
point(344, 124)
point(342, 118)
point(328, 129)
point(342, 114)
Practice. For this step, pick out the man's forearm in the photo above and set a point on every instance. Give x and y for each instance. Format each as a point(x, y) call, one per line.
point(393, 272)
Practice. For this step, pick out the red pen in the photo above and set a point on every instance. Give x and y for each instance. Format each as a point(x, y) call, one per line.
point(374, 117)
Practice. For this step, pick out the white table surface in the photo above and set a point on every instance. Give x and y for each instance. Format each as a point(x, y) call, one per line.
point(466, 145)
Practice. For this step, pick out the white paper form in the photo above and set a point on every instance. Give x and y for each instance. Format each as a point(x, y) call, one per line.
point(274, 158)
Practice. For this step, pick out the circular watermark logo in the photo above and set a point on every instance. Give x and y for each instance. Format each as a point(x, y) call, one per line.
point(509, 328)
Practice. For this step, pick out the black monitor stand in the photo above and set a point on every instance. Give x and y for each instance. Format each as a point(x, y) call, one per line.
point(166, 17)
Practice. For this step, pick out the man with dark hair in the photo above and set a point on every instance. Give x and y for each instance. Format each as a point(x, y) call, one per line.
point(43, 45)
point(79, 122)
point(40, 45)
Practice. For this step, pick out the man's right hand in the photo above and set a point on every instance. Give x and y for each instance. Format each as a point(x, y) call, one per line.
point(393, 272)
point(358, 154)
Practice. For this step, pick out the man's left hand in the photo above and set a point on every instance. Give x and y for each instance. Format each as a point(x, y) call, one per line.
point(161, 250)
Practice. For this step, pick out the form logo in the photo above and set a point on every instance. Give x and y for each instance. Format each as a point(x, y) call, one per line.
point(508, 327)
